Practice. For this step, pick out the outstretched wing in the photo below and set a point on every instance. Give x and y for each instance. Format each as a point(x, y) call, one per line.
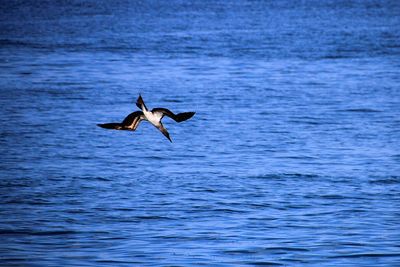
point(140, 103)
point(176, 117)
point(114, 126)
point(132, 121)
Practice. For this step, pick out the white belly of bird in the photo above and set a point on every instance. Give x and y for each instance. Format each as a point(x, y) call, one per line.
point(152, 118)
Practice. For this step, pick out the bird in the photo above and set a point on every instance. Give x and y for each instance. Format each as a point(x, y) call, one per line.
point(154, 116)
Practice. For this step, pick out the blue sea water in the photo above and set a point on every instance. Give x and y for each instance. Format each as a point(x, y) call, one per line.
point(292, 158)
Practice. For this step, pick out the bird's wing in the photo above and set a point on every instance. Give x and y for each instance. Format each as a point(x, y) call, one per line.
point(176, 117)
point(132, 120)
point(140, 103)
point(114, 126)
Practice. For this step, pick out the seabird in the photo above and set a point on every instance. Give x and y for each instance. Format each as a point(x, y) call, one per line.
point(131, 122)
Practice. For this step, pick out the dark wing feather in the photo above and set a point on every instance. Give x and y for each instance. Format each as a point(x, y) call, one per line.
point(140, 103)
point(132, 120)
point(176, 117)
point(114, 126)
point(131, 117)
point(183, 116)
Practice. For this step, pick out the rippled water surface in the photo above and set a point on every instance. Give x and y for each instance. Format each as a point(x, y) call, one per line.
point(292, 157)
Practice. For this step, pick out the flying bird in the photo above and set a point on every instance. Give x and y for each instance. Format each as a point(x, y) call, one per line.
point(132, 121)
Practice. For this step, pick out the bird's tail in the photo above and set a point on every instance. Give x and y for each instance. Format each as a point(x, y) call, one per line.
point(114, 126)
point(183, 116)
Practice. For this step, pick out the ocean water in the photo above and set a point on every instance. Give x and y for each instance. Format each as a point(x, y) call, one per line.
point(292, 158)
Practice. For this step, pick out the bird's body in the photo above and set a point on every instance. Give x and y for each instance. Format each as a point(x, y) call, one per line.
point(153, 118)
point(132, 121)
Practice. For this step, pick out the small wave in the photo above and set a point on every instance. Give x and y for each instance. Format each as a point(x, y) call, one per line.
point(205, 190)
point(4, 260)
point(334, 57)
point(33, 202)
point(25, 73)
point(97, 178)
point(8, 42)
point(283, 176)
point(288, 249)
point(305, 122)
point(66, 46)
point(353, 244)
point(295, 157)
point(36, 233)
point(241, 251)
point(150, 217)
point(116, 262)
point(229, 210)
point(263, 263)
point(155, 157)
point(301, 175)
point(15, 183)
point(387, 181)
point(172, 100)
point(361, 110)
point(333, 196)
point(76, 211)
point(371, 255)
